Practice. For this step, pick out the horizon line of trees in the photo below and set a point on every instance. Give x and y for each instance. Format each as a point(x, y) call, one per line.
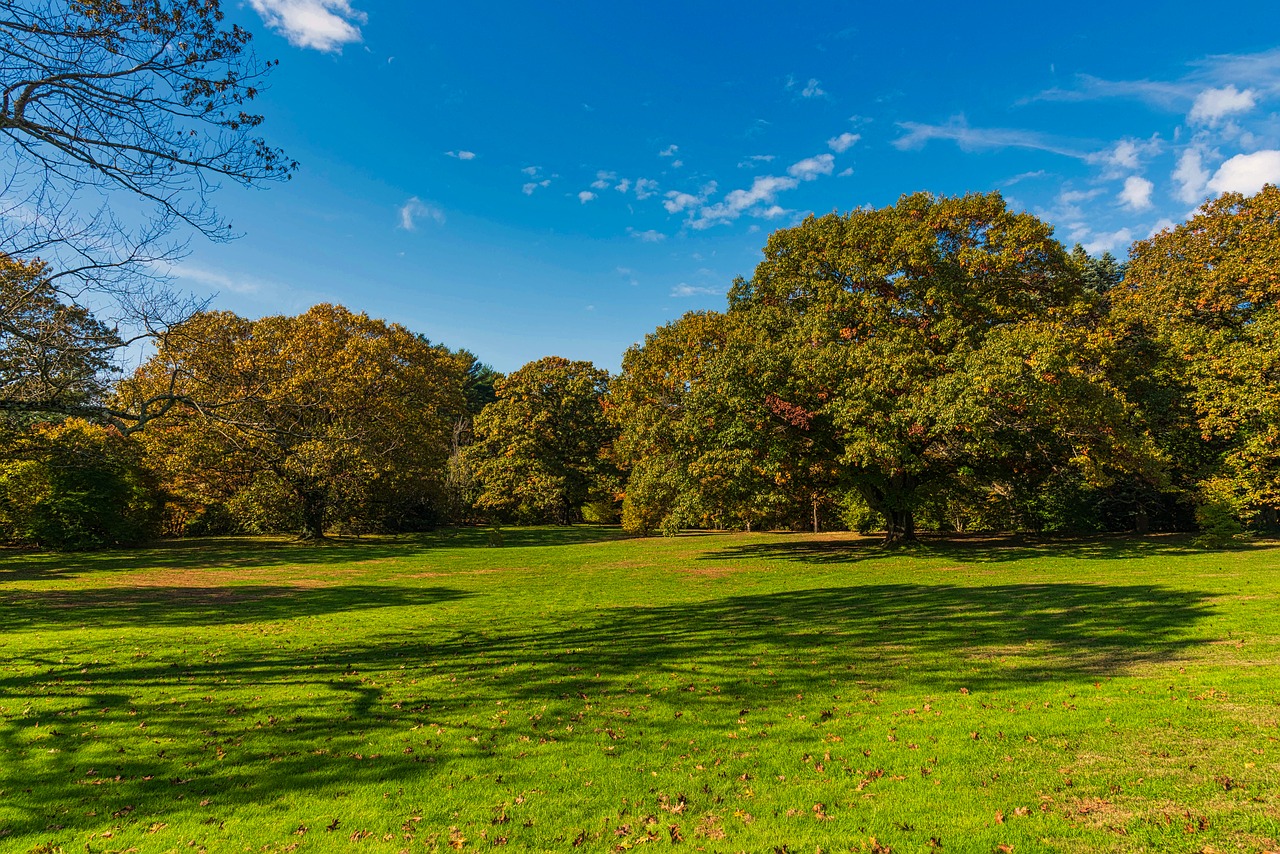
point(941, 363)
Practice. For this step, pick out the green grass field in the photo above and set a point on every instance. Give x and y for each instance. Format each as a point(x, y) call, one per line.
point(740, 692)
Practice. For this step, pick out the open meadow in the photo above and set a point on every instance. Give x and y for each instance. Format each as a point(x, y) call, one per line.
point(717, 692)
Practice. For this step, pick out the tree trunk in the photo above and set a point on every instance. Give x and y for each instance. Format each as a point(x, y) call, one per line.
point(312, 516)
point(1143, 522)
point(815, 514)
point(894, 498)
point(900, 527)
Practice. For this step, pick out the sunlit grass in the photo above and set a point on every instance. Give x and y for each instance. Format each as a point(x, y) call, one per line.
point(718, 692)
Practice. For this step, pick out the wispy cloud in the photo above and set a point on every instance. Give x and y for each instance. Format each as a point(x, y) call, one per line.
point(842, 143)
point(812, 89)
point(414, 209)
point(812, 168)
point(586, 196)
point(1126, 155)
point(461, 155)
point(1209, 82)
point(677, 201)
point(957, 130)
point(324, 25)
point(669, 151)
point(539, 181)
point(645, 188)
point(649, 236)
point(755, 160)
point(1109, 242)
point(684, 290)
point(1191, 176)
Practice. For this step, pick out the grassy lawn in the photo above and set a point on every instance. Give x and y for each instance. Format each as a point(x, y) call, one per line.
point(744, 692)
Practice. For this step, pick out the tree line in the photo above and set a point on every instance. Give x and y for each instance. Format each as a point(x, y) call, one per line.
point(940, 363)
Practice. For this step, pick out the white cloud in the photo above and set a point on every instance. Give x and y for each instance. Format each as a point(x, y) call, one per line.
point(812, 89)
point(683, 290)
point(532, 171)
point(649, 236)
point(210, 278)
point(754, 160)
point(669, 151)
point(812, 167)
point(623, 185)
point(586, 196)
point(1089, 88)
point(461, 155)
point(324, 25)
point(1212, 105)
point(604, 180)
point(1258, 71)
point(764, 191)
point(414, 209)
point(1246, 173)
point(1109, 242)
point(957, 130)
point(677, 201)
point(845, 173)
point(1164, 224)
point(842, 143)
point(529, 188)
point(645, 188)
point(1136, 194)
point(1125, 156)
point(1192, 177)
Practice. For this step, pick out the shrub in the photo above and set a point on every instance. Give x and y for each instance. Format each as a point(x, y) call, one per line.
point(76, 485)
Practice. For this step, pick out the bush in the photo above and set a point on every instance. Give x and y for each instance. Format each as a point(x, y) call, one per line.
point(77, 485)
point(1218, 525)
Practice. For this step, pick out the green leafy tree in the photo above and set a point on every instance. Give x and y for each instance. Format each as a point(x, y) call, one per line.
point(76, 485)
point(54, 357)
point(1206, 296)
point(341, 417)
point(900, 351)
point(542, 448)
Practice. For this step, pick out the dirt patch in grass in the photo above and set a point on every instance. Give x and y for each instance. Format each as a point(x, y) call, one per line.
point(143, 596)
point(712, 571)
point(294, 576)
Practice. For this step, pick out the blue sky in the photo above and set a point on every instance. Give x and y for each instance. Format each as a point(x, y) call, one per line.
point(533, 179)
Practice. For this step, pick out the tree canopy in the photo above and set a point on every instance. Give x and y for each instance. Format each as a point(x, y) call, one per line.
point(1207, 293)
point(900, 351)
point(541, 449)
point(326, 417)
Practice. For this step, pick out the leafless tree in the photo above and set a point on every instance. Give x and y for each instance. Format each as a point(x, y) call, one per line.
point(118, 119)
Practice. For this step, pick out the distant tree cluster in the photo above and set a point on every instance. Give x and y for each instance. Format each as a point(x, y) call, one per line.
point(942, 363)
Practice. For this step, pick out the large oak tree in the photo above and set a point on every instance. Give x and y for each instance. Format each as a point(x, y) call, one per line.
point(348, 417)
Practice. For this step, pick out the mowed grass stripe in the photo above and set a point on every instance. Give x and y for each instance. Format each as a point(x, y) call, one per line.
point(724, 692)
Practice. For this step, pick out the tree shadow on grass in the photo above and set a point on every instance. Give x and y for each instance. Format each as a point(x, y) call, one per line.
point(189, 606)
point(253, 551)
point(713, 659)
point(974, 548)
